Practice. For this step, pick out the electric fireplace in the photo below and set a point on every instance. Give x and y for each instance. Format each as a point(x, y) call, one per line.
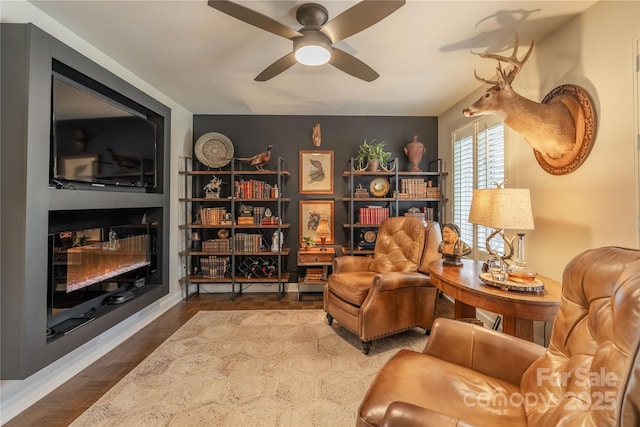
point(99, 261)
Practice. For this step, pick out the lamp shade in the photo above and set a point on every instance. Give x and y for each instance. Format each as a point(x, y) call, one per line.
point(323, 227)
point(505, 208)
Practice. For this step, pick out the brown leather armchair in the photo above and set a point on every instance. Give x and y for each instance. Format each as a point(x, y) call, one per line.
point(469, 375)
point(391, 292)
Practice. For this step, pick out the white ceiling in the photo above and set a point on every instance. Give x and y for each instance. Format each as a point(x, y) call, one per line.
point(206, 61)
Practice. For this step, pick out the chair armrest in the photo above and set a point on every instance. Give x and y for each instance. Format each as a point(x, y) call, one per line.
point(396, 280)
point(484, 350)
point(409, 415)
point(346, 263)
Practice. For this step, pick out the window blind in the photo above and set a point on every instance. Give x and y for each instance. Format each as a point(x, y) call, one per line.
point(478, 162)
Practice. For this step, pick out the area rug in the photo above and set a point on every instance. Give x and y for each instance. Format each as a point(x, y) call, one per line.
point(250, 368)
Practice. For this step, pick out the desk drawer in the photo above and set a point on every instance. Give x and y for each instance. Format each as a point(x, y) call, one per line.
point(315, 257)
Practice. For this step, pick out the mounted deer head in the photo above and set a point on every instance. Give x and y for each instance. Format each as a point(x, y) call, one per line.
point(548, 128)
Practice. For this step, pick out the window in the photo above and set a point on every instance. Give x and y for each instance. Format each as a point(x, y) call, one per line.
point(478, 162)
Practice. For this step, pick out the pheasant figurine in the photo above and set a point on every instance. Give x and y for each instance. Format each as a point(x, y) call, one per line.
point(124, 161)
point(259, 160)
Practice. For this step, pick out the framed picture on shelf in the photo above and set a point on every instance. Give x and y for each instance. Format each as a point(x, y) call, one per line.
point(316, 172)
point(310, 213)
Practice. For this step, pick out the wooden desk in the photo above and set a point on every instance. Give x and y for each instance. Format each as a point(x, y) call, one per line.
point(518, 309)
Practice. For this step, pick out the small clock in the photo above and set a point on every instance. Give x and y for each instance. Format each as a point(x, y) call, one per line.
point(369, 236)
point(223, 233)
point(368, 239)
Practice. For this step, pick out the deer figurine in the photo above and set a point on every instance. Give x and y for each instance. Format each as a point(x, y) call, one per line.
point(547, 127)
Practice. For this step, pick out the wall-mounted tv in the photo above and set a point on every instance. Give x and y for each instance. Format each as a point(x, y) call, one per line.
point(99, 138)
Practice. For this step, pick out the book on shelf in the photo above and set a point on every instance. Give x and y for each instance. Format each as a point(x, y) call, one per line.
point(252, 189)
point(373, 214)
point(212, 216)
point(247, 242)
point(213, 267)
point(246, 220)
point(218, 245)
point(416, 188)
point(314, 273)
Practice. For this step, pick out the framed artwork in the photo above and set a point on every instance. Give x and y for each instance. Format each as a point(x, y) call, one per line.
point(80, 167)
point(316, 172)
point(310, 212)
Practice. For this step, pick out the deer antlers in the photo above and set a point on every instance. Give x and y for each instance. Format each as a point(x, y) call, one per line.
point(513, 60)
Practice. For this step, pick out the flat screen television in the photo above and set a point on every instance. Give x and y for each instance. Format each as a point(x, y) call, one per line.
point(100, 139)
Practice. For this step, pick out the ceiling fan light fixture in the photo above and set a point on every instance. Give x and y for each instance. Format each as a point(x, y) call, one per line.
point(313, 43)
point(312, 52)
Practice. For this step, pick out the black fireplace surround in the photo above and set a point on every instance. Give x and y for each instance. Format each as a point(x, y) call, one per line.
point(84, 233)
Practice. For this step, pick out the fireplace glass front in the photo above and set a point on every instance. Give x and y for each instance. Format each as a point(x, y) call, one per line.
point(89, 265)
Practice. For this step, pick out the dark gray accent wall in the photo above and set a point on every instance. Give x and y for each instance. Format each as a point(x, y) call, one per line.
point(250, 134)
point(27, 199)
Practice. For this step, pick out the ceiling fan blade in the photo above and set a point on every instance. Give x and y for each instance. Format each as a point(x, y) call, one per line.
point(359, 17)
point(277, 67)
point(254, 18)
point(352, 65)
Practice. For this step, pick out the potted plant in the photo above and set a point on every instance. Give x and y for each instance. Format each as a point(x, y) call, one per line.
point(308, 242)
point(371, 156)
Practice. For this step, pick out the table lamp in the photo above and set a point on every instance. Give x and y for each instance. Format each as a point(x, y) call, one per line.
point(323, 231)
point(500, 209)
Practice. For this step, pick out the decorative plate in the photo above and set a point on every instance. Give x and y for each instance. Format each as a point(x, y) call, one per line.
point(509, 285)
point(379, 187)
point(214, 150)
point(223, 233)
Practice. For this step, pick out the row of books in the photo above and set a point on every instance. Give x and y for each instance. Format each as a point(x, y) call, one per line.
point(373, 214)
point(214, 267)
point(253, 189)
point(213, 216)
point(249, 220)
point(246, 220)
point(418, 189)
point(248, 242)
point(217, 245)
point(314, 273)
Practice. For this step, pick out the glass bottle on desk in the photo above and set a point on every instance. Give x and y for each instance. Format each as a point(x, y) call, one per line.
point(519, 272)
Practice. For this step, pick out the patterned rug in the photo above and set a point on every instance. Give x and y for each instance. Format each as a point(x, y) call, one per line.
point(249, 368)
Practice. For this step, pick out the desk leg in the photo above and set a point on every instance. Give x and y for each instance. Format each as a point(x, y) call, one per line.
point(518, 327)
point(463, 311)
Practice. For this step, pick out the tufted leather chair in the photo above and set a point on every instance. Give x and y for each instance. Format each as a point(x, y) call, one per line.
point(469, 375)
point(391, 292)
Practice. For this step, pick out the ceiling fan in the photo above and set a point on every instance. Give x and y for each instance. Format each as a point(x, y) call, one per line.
point(313, 43)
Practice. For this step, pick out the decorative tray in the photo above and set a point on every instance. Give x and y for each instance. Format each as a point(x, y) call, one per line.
point(509, 285)
point(214, 149)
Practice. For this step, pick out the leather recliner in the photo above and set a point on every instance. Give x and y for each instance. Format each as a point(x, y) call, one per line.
point(469, 375)
point(391, 292)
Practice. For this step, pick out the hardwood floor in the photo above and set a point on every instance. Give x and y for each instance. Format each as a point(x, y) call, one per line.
point(67, 402)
